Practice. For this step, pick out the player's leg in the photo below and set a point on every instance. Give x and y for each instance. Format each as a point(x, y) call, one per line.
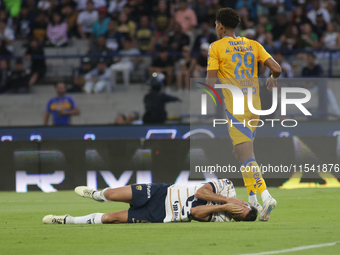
point(249, 183)
point(252, 171)
point(121, 194)
point(94, 218)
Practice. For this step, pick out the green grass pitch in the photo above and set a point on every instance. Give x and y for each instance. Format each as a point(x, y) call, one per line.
point(302, 217)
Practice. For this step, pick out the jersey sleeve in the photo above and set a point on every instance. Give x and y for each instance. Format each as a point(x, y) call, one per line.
point(223, 187)
point(213, 59)
point(263, 55)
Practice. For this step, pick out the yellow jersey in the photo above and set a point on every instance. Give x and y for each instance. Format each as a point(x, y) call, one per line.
point(236, 60)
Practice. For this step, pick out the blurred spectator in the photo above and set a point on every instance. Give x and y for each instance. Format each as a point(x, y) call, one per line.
point(163, 64)
point(249, 4)
point(315, 70)
point(246, 21)
point(206, 36)
point(100, 26)
point(201, 11)
point(328, 5)
point(13, 7)
point(39, 27)
point(163, 42)
point(298, 18)
point(154, 103)
point(260, 33)
point(71, 17)
point(32, 10)
point(312, 69)
point(126, 27)
point(145, 35)
point(120, 119)
point(3, 75)
point(100, 49)
point(317, 10)
point(17, 81)
point(45, 5)
point(141, 8)
point(132, 118)
point(200, 70)
point(185, 17)
point(24, 24)
point(116, 6)
point(38, 65)
point(269, 43)
point(7, 35)
point(213, 7)
point(125, 64)
point(291, 39)
point(178, 40)
point(287, 70)
point(57, 31)
point(98, 79)
point(321, 25)
point(3, 49)
point(272, 7)
point(82, 4)
point(186, 67)
point(79, 76)
point(86, 19)
point(337, 15)
point(280, 27)
point(162, 19)
point(250, 33)
point(263, 20)
point(310, 39)
point(331, 38)
point(114, 38)
point(62, 107)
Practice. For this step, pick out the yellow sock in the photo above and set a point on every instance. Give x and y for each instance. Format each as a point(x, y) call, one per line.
point(256, 175)
point(250, 183)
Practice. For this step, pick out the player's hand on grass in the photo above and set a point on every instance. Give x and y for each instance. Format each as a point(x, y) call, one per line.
point(271, 83)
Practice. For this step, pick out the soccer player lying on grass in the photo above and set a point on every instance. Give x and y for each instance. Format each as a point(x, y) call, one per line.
point(160, 202)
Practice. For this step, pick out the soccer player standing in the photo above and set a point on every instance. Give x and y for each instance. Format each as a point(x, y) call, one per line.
point(235, 61)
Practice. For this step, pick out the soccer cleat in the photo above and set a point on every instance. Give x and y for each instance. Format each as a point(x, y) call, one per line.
point(54, 219)
point(269, 205)
point(87, 192)
point(257, 205)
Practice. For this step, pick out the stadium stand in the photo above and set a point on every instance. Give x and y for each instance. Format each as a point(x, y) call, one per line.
point(294, 27)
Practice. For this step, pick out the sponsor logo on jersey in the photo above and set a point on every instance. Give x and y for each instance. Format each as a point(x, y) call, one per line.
point(139, 187)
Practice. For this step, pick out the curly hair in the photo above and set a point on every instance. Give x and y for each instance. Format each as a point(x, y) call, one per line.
point(228, 17)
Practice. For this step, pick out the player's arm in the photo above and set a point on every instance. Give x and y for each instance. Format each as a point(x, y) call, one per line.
point(211, 77)
point(202, 212)
point(213, 65)
point(207, 193)
point(276, 72)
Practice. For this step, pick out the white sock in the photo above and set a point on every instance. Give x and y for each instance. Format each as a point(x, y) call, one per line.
point(265, 195)
point(94, 218)
point(252, 199)
point(99, 195)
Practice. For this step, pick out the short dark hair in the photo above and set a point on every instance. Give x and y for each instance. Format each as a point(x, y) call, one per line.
point(228, 17)
point(252, 215)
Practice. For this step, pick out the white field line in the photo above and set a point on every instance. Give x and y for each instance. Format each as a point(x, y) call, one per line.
point(300, 248)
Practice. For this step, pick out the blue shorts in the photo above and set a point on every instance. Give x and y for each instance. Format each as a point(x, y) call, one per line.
point(148, 202)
